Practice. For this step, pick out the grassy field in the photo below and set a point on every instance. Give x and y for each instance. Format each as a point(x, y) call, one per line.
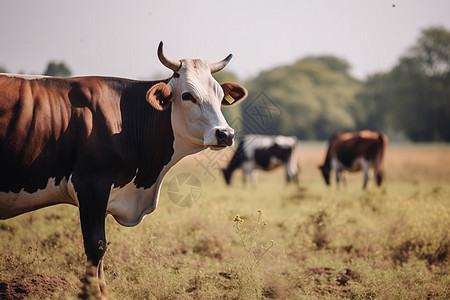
point(270, 241)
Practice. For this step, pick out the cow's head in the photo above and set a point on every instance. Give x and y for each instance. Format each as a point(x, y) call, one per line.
point(196, 97)
point(326, 173)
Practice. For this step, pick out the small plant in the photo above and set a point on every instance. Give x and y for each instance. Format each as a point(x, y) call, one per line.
point(318, 223)
point(248, 276)
point(248, 238)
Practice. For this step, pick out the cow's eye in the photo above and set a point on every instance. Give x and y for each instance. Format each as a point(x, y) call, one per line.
point(186, 96)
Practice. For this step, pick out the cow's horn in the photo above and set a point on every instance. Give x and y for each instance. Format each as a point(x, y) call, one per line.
point(216, 67)
point(172, 64)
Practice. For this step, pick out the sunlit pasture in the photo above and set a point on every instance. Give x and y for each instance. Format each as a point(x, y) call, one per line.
point(270, 240)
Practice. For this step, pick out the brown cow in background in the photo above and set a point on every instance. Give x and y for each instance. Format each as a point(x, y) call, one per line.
point(353, 151)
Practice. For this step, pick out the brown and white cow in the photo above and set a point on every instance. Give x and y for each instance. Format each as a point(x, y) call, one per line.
point(105, 144)
point(265, 152)
point(353, 151)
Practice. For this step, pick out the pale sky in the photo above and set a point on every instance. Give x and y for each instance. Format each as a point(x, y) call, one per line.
point(120, 38)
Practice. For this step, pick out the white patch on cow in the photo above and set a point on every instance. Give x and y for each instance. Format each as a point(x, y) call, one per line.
point(285, 140)
point(130, 204)
point(253, 142)
point(13, 204)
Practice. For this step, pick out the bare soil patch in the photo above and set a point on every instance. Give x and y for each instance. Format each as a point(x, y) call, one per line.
point(20, 288)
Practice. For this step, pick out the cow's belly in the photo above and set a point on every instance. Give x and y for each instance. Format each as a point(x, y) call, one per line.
point(271, 164)
point(355, 166)
point(13, 204)
point(274, 163)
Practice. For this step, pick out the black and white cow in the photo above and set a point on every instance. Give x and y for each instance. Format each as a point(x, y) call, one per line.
point(266, 153)
point(105, 144)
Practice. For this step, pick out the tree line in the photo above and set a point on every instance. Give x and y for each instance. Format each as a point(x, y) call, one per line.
point(413, 97)
point(316, 96)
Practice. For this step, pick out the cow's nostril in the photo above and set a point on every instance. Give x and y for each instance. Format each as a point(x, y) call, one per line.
point(220, 134)
point(224, 138)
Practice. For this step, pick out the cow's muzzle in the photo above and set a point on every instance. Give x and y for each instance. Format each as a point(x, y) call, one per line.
point(224, 138)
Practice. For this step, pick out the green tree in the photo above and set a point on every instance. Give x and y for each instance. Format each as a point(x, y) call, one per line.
point(374, 100)
point(431, 79)
point(316, 96)
point(57, 69)
point(414, 97)
point(432, 52)
point(3, 70)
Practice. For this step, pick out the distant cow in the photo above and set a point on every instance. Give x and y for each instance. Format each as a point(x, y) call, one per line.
point(266, 153)
point(354, 151)
point(105, 144)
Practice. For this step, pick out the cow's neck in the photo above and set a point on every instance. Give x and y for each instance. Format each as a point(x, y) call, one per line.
point(237, 159)
point(231, 167)
point(328, 158)
point(157, 150)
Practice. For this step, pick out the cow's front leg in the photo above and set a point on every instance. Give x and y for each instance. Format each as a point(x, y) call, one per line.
point(101, 278)
point(93, 201)
point(92, 283)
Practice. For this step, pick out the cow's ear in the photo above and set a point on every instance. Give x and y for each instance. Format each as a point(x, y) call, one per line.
point(159, 96)
point(233, 93)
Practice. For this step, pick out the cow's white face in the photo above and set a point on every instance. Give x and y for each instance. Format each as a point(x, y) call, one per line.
point(196, 115)
point(196, 98)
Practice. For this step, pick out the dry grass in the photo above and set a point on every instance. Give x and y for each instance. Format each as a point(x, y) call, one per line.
point(272, 241)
